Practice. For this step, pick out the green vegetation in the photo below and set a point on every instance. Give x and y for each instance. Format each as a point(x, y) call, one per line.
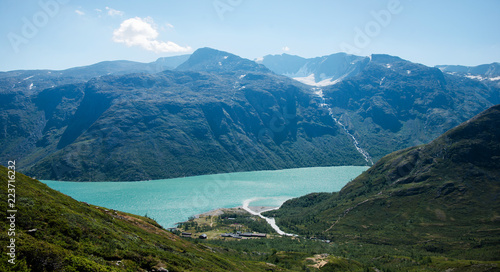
point(57, 233)
point(348, 256)
point(425, 203)
point(53, 232)
point(226, 221)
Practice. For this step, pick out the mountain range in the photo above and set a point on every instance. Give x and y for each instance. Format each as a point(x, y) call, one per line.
point(432, 204)
point(331, 69)
point(213, 112)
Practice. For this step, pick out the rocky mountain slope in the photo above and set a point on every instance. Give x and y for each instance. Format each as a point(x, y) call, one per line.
point(174, 124)
point(396, 103)
point(442, 197)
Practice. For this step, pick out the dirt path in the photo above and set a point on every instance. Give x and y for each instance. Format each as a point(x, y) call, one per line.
point(319, 259)
point(345, 213)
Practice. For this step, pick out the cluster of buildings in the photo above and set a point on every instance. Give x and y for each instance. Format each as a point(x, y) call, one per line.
point(189, 235)
point(241, 235)
point(237, 235)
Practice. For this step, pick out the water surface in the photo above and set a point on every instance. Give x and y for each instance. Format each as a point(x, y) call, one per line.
point(169, 201)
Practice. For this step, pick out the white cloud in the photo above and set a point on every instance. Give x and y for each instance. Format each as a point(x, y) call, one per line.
point(98, 10)
point(79, 12)
point(285, 48)
point(142, 32)
point(169, 25)
point(114, 12)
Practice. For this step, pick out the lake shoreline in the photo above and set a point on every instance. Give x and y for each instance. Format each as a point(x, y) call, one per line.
point(252, 210)
point(175, 200)
point(221, 211)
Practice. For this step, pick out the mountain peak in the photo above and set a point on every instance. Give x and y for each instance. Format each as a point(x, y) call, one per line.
point(384, 58)
point(211, 60)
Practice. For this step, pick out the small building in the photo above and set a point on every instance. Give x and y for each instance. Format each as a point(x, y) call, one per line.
point(240, 235)
point(203, 236)
point(186, 234)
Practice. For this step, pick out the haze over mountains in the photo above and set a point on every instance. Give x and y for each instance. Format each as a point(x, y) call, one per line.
point(214, 112)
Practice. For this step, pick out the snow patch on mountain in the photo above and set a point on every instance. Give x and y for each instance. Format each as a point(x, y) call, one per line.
point(311, 81)
point(474, 77)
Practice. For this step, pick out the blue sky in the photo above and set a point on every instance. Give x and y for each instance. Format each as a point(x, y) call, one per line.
point(59, 34)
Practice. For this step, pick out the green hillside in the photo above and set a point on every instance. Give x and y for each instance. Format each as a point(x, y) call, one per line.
point(53, 232)
point(439, 199)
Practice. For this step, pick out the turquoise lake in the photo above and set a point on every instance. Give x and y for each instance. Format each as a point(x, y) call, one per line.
point(169, 201)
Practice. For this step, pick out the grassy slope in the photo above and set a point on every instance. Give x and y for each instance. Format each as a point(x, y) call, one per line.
point(74, 236)
point(441, 198)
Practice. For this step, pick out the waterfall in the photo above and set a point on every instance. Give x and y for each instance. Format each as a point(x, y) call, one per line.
point(319, 93)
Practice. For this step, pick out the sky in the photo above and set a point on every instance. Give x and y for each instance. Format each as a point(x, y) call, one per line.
point(59, 34)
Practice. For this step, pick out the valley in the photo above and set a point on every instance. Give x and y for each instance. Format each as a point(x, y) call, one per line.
point(376, 164)
point(250, 136)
